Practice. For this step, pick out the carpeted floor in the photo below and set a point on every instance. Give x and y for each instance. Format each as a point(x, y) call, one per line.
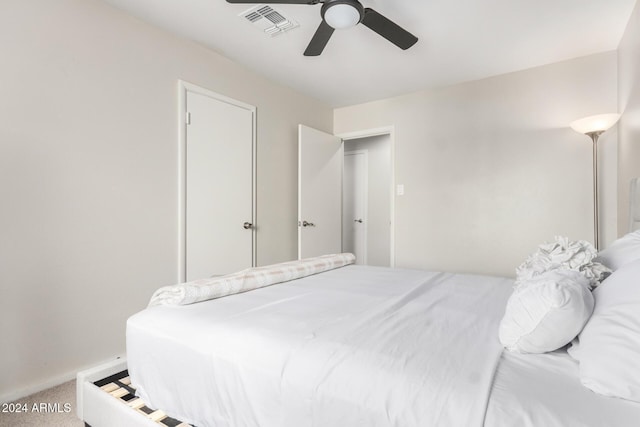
point(54, 407)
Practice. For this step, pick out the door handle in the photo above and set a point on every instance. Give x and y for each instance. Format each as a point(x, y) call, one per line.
point(247, 225)
point(308, 224)
point(358, 220)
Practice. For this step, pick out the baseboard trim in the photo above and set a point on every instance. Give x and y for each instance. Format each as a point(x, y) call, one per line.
point(15, 395)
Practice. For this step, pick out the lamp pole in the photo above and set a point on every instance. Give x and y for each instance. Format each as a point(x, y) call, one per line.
point(593, 127)
point(594, 137)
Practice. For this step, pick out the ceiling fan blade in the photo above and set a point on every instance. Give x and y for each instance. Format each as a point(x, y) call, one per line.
point(275, 1)
point(388, 29)
point(319, 40)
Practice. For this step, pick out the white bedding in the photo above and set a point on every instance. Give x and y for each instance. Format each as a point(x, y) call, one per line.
point(544, 390)
point(355, 346)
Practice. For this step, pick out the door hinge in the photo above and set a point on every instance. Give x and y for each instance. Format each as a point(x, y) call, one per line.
point(187, 118)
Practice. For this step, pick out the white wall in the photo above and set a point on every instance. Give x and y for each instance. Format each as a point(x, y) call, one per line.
point(629, 106)
point(491, 168)
point(88, 176)
point(379, 195)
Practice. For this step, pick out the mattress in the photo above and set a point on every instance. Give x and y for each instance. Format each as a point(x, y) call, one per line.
point(354, 346)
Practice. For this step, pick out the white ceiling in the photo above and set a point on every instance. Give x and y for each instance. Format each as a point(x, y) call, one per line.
point(459, 40)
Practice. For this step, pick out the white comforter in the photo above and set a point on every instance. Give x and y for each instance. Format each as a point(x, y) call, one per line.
point(355, 346)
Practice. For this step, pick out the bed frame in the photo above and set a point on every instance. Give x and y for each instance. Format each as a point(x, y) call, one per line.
point(100, 407)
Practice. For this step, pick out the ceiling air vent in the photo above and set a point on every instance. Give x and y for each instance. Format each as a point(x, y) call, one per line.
point(269, 20)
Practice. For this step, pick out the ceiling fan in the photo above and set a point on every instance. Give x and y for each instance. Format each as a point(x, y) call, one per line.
point(340, 14)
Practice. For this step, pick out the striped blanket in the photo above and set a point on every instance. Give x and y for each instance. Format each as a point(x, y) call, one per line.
point(247, 280)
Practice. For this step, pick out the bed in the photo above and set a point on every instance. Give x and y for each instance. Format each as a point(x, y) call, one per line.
point(343, 347)
point(357, 346)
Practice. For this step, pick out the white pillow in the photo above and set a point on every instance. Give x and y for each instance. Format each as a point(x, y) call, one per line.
point(546, 312)
point(562, 253)
point(623, 251)
point(609, 345)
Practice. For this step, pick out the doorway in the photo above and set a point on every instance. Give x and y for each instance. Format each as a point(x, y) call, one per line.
point(367, 199)
point(322, 215)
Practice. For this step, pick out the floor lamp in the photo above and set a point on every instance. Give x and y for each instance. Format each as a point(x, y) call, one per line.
point(593, 127)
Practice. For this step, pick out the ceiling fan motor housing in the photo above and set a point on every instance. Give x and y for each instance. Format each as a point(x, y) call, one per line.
point(342, 16)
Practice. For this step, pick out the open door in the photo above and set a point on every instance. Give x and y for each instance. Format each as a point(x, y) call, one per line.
point(320, 161)
point(354, 204)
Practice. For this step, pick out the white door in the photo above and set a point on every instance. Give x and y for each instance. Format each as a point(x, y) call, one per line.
point(354, 205)
point(320, 160)
point(219, 233)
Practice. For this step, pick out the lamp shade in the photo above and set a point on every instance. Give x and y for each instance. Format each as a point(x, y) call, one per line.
point(591, 124)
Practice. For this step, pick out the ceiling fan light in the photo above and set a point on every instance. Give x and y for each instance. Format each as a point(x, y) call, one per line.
point(342, 15)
